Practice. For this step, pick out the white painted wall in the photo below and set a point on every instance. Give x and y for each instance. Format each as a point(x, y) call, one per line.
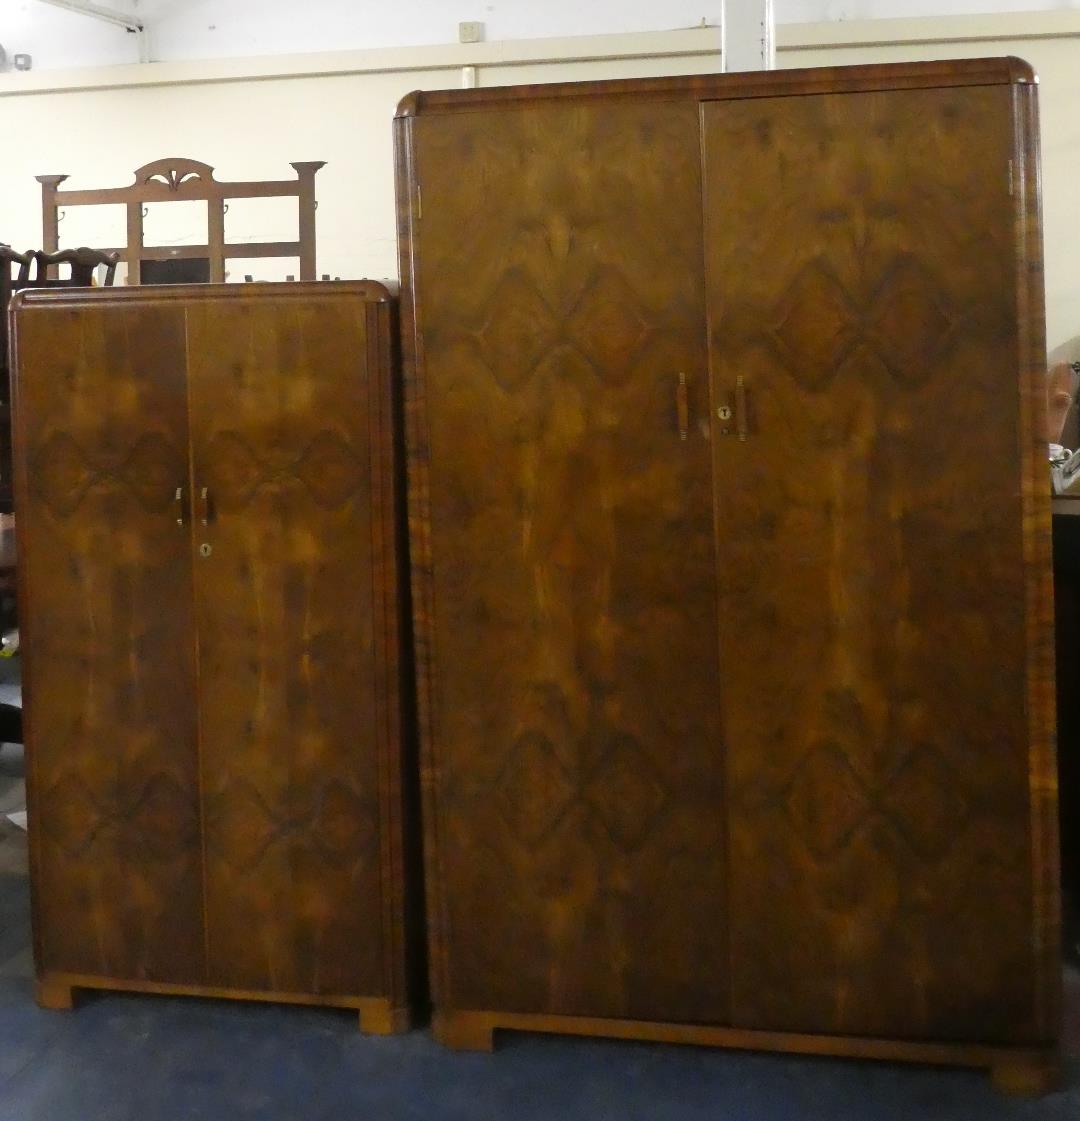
point(249, 118)
point(212, 29)
point(819, 11)
point(56, 38)
point(204, 29)
point(336, 108)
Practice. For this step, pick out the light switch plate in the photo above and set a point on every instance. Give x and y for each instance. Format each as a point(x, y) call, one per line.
point(470, 32)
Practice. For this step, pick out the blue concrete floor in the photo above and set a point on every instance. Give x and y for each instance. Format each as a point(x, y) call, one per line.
point(132, 1058)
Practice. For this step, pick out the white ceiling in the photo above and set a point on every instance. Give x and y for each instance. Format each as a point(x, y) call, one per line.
point(193, 29)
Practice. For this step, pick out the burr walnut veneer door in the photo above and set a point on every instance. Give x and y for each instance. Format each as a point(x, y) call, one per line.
point(108, 642)
point(734, 641)
point(217, 789)
point(560, 444)
point(876, 565)
point(290, 618)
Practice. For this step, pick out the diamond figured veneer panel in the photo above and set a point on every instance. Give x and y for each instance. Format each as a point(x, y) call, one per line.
point(870, 565)
point(575, 735)
point(289, 716)
point(109, 641)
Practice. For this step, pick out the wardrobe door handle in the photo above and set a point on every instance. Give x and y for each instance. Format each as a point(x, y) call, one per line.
point(737, 411)
point(205, 508)
point(682, 406)
point(741, 425)
point(178, 506)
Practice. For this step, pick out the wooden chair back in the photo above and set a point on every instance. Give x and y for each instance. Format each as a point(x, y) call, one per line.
point(81, 261)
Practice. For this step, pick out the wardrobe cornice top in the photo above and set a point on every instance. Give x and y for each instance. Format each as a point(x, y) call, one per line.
point(765, 83)
point(371, 291)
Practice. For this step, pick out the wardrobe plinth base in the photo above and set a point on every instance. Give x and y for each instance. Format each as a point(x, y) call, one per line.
point(1013, 1070)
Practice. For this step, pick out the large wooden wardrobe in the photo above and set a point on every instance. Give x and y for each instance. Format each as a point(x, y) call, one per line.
point(730, 543)
point(206, 492)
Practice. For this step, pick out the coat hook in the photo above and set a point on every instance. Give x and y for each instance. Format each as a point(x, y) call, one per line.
point(145, 211)
point(61, 215)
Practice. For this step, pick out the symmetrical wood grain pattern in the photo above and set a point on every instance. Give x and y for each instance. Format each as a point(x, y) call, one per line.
point(106, 611)
point(287, 688)
point(250, 655)
point(574, 582)
point(871, 564)
point(868, 753)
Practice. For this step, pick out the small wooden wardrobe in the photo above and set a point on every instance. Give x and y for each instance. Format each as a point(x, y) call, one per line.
point(206, 494)
point(730, 543)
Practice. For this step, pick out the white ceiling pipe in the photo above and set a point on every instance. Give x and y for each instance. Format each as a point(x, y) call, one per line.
point(114, 16)
point(748, 35)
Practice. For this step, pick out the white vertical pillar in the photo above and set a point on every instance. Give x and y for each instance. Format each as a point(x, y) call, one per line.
point(748, 35)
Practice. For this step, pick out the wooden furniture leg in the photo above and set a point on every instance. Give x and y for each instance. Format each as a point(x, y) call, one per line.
point(54, 994)
point(464, 1031)
point(380, 1018)
point(1027, 1075)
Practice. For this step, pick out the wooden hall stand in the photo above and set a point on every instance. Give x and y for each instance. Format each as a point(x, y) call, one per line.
point(206, 480)
point(175, 179)
point(735, 664)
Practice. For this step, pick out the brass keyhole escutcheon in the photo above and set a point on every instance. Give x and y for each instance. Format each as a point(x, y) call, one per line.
point(205, 549)
point(724, 412)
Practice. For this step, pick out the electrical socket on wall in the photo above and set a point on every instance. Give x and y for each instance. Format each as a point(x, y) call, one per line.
point(470, 32)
